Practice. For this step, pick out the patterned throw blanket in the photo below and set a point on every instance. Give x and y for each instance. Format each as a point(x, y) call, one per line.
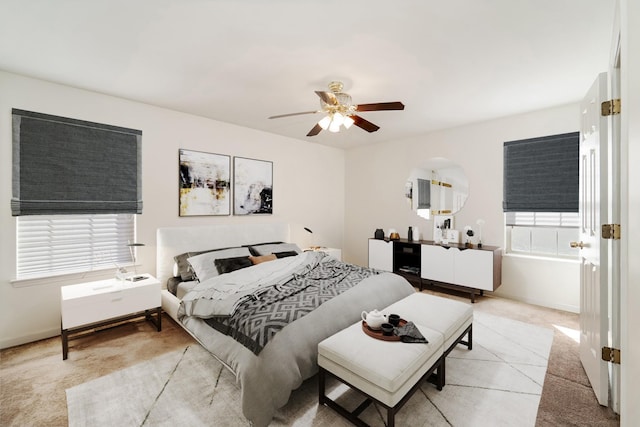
point(256, 320)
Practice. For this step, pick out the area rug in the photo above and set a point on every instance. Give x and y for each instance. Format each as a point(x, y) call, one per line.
point(497, 383)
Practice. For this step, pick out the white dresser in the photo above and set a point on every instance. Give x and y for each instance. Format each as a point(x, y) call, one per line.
point(472, 270)
point(94, 304)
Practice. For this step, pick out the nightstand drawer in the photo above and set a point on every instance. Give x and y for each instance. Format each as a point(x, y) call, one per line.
point(105, 306)
point(97, 301)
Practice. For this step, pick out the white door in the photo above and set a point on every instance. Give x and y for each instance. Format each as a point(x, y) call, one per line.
point(615, 218)
point(593, 212)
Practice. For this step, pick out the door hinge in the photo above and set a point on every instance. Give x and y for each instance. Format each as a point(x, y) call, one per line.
point(611, 355)
point(611, 231)
point(611, 107)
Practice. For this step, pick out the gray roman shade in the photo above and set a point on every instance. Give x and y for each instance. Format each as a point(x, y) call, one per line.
point(424, 193)
point(542, 174)
point(68, 166)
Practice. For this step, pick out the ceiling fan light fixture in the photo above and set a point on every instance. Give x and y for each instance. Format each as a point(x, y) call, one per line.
point(338, 119)
point(325, 122)
point(340, 111)
point(348, 121)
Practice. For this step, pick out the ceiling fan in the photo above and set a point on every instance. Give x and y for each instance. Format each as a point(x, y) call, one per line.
point(340, 111)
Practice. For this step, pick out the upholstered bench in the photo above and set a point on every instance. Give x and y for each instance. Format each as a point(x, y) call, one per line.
point(389, 372)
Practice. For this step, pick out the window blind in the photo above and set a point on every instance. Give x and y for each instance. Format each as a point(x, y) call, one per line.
point(543, 219)
point(57, 244)
point(542, 174)
point(68, 166)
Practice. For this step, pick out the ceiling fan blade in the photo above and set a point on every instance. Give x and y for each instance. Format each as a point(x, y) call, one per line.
point(380, 106)
point(293, 114)
point(364, 124)
point(315, 130)
point(327, 97)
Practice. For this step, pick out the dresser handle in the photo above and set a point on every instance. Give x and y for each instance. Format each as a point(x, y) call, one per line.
point(116, 299)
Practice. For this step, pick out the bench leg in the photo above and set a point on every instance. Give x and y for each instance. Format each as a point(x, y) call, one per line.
point(321, 387)
point(391, 417)
point(437, 378)
point(469, 342)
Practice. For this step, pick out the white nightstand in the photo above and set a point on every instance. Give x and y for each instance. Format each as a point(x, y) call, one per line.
point(332, 252)
point(94, 304)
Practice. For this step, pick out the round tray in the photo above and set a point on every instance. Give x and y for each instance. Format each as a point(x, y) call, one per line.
point(377, 334)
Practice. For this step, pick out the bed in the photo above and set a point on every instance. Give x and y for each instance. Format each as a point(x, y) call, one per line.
point(268, 372)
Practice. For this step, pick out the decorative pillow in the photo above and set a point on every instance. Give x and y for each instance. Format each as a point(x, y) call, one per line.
point(184, 270)
point(203, 265)
point(285, 254)
point(274, 248)
point(253, 252)
point(262, 258)
point(172, 284)
point(182, 266)
point(227, 265)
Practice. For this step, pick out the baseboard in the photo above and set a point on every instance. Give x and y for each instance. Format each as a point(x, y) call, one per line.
point(12, 342)
point(541, 303)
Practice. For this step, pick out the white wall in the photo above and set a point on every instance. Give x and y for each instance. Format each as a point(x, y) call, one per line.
point(376, 176)
point(30, 311)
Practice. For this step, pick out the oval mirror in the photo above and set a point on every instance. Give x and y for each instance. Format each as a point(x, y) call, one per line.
point(437, 187)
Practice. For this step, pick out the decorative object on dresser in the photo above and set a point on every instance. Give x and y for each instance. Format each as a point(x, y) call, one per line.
point(204, 183)
point(252, 186)
point(93, 305)
point(379, 234)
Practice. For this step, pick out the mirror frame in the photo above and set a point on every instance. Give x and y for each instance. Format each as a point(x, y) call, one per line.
point(449, 187)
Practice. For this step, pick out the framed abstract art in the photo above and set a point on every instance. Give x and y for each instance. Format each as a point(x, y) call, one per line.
point(252, 186)
point(205, 183)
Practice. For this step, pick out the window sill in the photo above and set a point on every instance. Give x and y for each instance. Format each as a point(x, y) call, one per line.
point(67, 278)
point(541, 258)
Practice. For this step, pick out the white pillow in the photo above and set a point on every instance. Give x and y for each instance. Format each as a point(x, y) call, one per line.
point(274, 248)
point(204, 266)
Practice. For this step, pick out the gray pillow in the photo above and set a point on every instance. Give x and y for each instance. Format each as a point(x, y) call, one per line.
point(184, 268)
point(203, 265)
point(275, 248)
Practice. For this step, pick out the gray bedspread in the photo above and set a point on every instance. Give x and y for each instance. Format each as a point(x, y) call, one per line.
point(256, 320)
point(290, 357)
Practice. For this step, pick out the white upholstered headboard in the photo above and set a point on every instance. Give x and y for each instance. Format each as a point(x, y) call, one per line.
point(172, 241)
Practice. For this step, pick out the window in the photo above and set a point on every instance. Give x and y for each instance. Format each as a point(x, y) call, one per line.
point(542, 233)
point(76, 188)
point(49, 245)
point(541, 194)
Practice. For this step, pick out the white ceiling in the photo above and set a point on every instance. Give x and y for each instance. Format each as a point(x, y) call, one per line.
point(241, 61)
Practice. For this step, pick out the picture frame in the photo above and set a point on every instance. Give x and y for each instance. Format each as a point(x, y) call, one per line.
point(252, 186)
point(204, 183)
